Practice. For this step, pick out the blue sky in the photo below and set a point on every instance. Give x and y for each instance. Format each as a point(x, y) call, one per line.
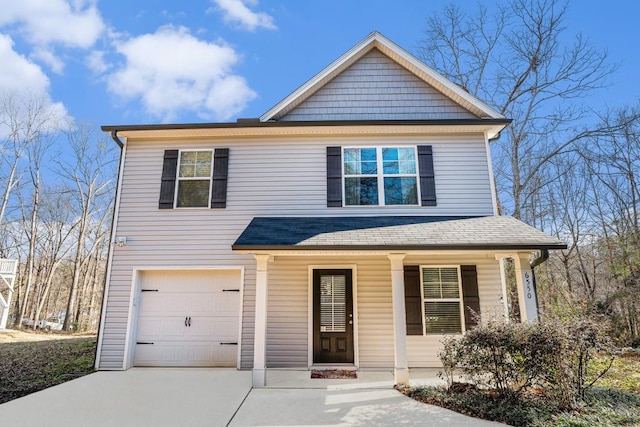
point(154, 61)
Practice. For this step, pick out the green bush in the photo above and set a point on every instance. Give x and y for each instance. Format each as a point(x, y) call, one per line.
point(554, 357)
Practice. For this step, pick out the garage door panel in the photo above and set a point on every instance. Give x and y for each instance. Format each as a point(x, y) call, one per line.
point(185, 354)
point(158, 327)
point(193, 281)
point(199, 299)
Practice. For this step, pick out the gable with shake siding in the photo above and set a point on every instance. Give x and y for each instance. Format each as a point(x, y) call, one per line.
point(377, 88)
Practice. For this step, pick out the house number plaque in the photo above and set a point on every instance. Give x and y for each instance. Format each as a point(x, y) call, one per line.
point(529, 295)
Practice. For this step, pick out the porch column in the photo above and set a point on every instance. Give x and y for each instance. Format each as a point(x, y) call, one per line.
point(260, 334)
point(503, 282)
point(526, 291)
point(400, 368)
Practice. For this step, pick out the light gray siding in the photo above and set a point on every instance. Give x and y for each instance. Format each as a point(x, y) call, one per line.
point(288, 307)
point(267, 177)
point(377, 88)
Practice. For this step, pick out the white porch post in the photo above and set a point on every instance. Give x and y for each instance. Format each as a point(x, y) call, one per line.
point(526, 291)
point(503, 282)
point(400, 369)
point(8, 268)
point(260, 334)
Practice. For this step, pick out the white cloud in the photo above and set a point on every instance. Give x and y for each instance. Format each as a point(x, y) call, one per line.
point(236, 11)
point(17, 73)
point(44, 22)
point(47, 24)
point(172, 71)
point(47, 57)
point(26, 83)
point(96, 63)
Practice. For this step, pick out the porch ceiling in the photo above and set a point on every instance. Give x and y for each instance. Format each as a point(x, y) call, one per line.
point(392, 233)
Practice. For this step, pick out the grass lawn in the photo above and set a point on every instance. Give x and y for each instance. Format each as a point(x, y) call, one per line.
point(30, 366)
point(614, 402)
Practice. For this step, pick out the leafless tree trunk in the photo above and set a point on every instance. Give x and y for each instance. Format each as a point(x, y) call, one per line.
point(88, 173)
point(37, 131)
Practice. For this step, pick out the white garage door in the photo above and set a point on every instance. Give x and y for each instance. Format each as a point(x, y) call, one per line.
point(188, 318)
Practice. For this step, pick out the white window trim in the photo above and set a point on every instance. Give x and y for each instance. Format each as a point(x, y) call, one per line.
point(380, 176)
point(178, 179)
point(458, 300)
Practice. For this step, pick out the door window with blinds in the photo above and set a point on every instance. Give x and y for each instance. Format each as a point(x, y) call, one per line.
point(333, 303)
point(442, 299)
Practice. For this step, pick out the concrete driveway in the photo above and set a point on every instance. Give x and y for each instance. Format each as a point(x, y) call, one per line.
point(223, 397)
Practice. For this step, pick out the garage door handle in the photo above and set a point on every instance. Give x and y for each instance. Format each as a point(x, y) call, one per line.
point(228, 343)
point(231, 290)
point(145, 343)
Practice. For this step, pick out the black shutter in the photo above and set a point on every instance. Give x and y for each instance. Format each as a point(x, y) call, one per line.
point(168, 181)
point(334, 177)
point(412, 300)
point(220, 172)
point(427, 177)
point(470, 296)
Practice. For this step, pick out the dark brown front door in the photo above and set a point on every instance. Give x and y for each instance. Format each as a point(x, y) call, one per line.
point(332, 316)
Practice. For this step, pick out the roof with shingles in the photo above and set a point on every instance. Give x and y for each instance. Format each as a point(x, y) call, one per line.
point(392, 233)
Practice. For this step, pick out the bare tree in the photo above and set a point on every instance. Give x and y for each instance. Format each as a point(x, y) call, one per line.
point(89, 174)
point(36, 126)
point(516, 60)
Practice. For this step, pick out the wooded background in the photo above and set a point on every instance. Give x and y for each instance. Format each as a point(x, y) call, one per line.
point(57, 183)
point(562, 166)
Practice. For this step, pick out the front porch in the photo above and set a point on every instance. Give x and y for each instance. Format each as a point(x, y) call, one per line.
point(366, 379)
point(386, 320)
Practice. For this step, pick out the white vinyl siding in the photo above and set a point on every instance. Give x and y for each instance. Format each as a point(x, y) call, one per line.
point(288, 308)
point(258, 185)
point(377, 88)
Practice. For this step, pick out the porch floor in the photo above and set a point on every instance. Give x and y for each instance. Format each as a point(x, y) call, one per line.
point(367, 379)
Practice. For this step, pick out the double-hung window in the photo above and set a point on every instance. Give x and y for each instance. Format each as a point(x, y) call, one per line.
point(380, 176)
point(194, 179)
point(442, 299)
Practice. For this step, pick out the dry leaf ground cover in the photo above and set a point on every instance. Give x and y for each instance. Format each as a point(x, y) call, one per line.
point(616, 402)
point(30, 362)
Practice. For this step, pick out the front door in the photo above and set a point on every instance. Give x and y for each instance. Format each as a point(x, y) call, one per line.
point(332, 316)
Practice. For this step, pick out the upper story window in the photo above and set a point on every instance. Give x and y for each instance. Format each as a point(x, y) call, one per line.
point(380, 176)
point(194, 179)
point(442, 300)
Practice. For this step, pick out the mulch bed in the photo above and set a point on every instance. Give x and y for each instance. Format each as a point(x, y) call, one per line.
point(331, 374)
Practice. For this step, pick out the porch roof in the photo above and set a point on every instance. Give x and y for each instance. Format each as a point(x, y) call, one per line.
point(392, 233)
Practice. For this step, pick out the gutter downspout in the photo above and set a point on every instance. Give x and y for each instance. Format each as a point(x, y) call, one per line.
point(544, 255)
point(96, 362)
point(114, 136)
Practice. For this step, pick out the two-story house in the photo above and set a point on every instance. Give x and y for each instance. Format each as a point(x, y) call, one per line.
point(353, 225)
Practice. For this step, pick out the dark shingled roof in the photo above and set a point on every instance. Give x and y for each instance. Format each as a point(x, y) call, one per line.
point(392, 233)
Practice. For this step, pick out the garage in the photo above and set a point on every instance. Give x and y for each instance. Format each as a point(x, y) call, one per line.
point(188, 318)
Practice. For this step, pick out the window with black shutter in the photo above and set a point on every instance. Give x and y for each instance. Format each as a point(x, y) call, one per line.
point(194, 179)
point(441, 299)
point(470, 295)
point(413, 300)
point(380, 176)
